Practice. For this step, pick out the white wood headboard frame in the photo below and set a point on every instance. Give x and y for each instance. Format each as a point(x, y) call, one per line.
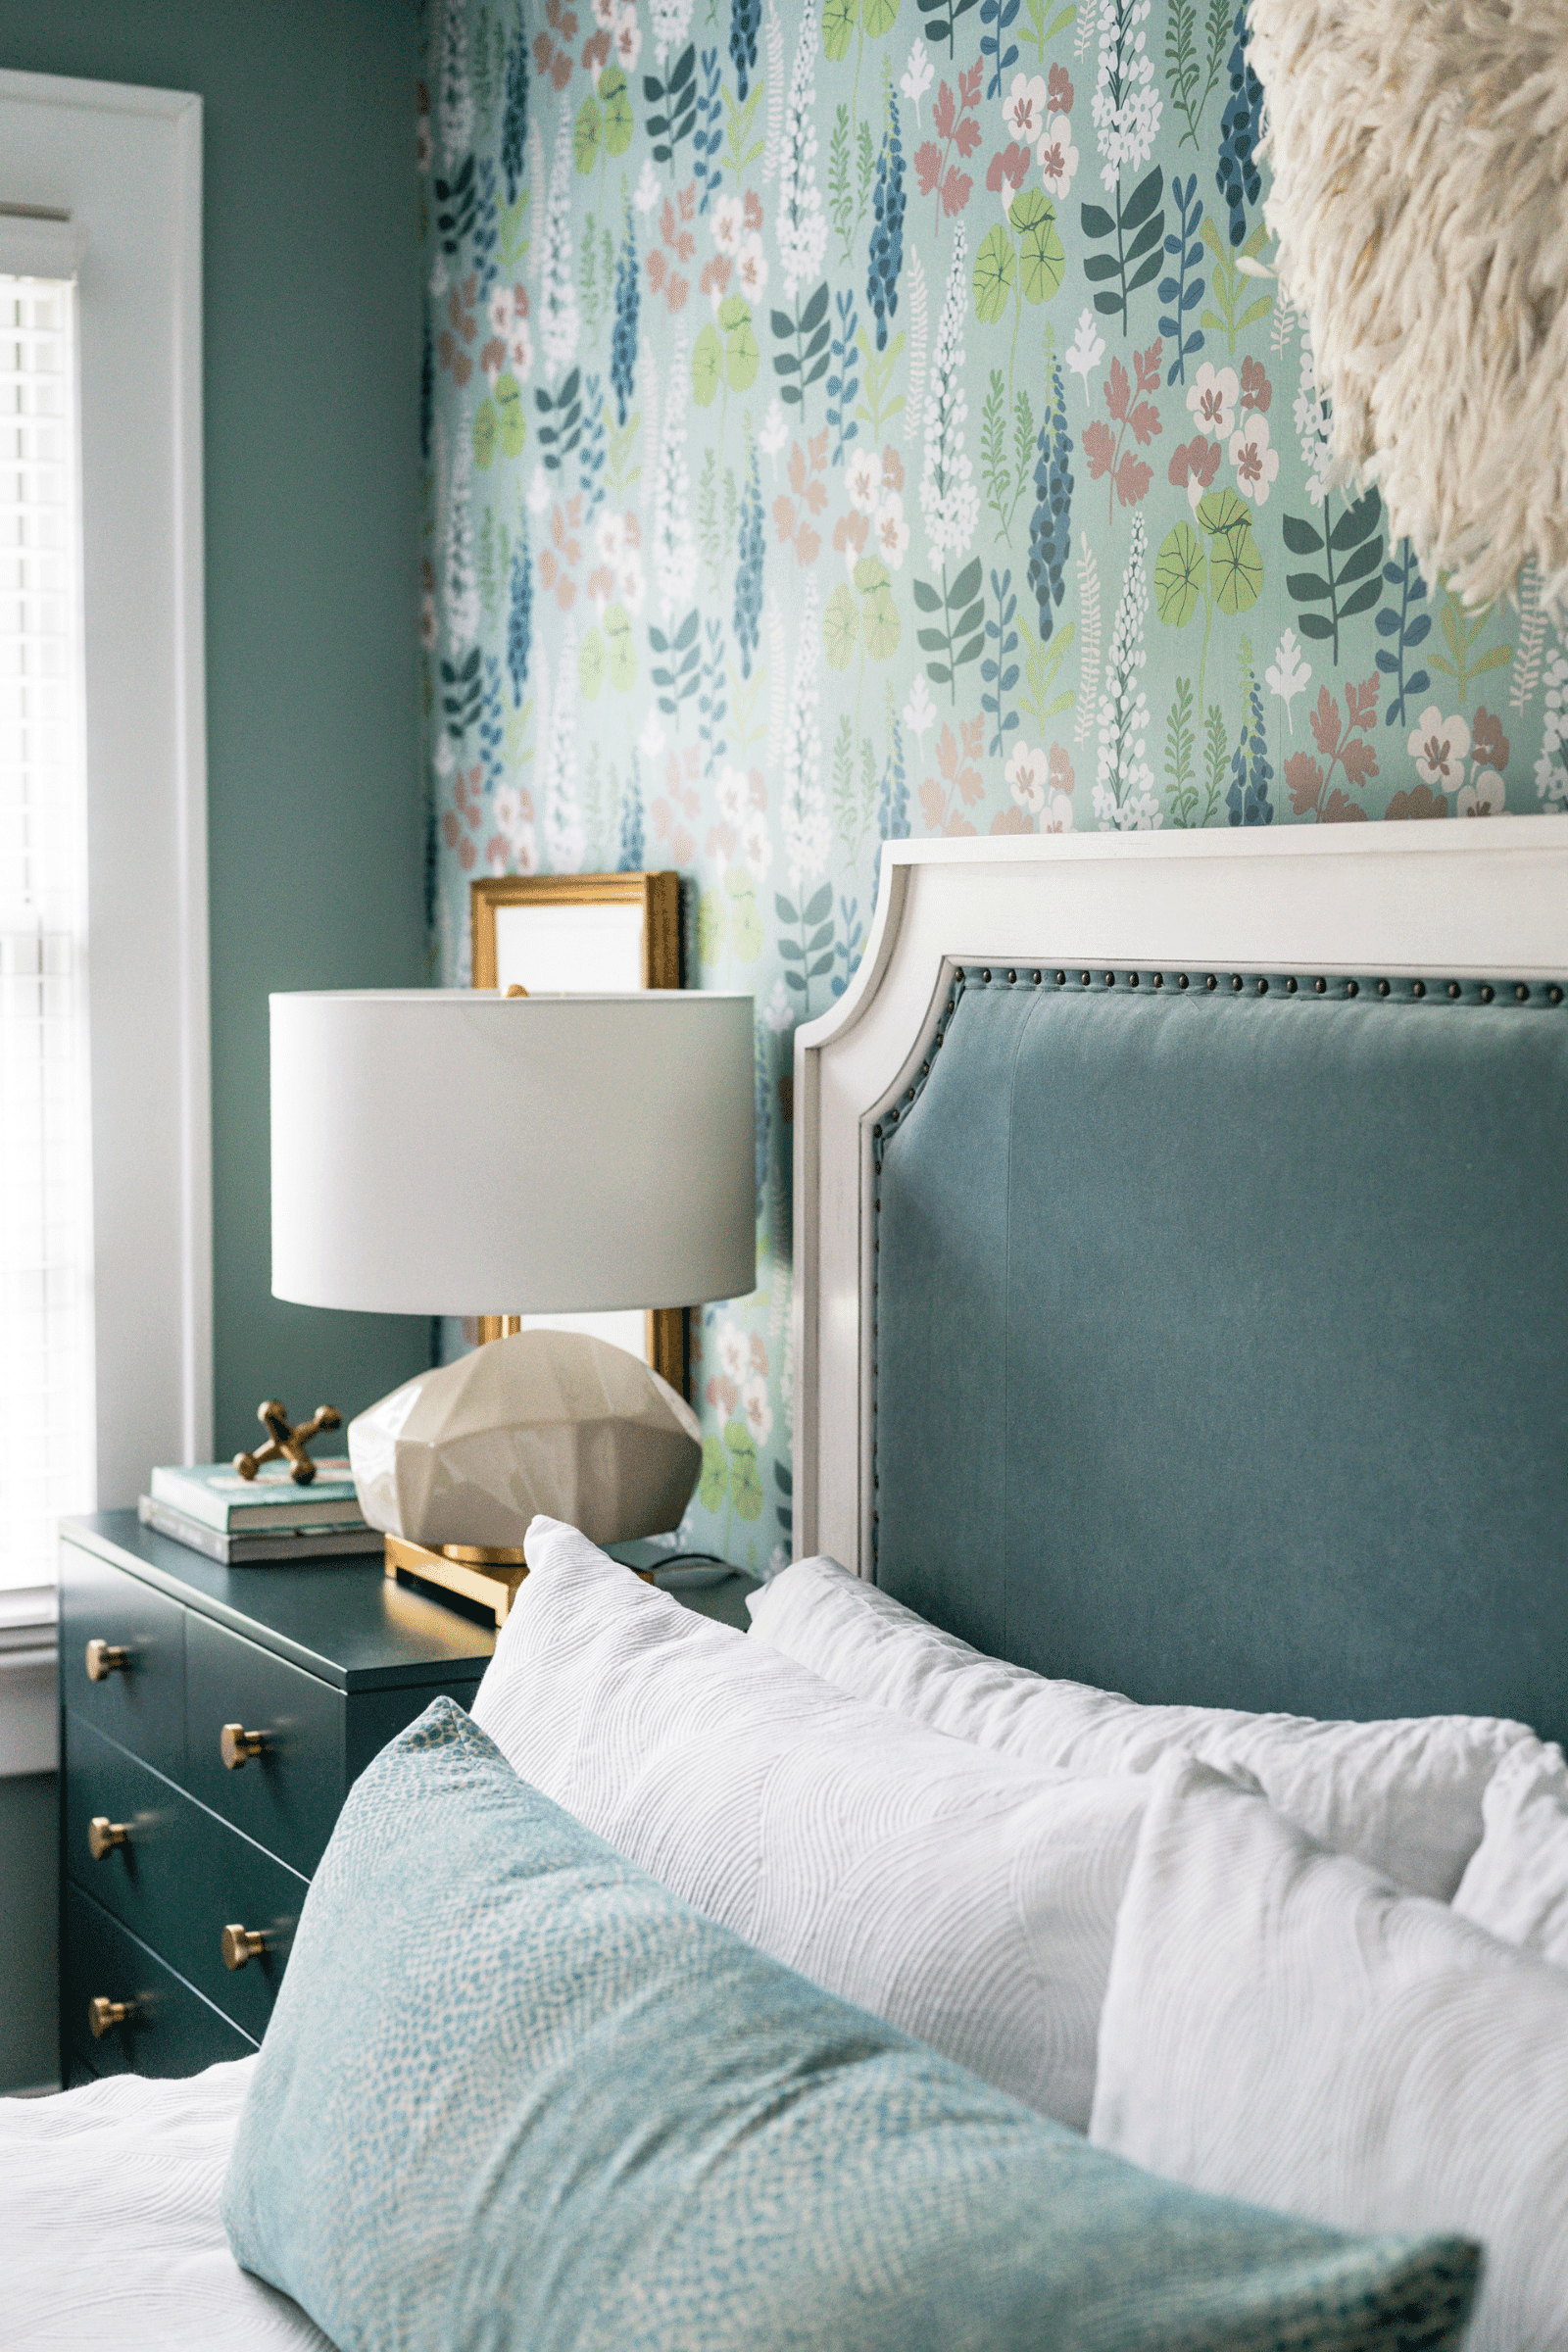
point(1486, 898)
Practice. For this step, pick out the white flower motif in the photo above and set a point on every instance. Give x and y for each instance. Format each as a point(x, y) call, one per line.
point(610, 536)
point(731, 796)
point(1311, 416)
point(670, 20)
point(559, 322)
point(799, 221)
point(606, 13)
point(864, 479)
point(1288, 673)
point(538, 492)
point(1027, 773)
point(1211, 398)
point(446, 758)
point(756, 844)
point(1440, 747)
point(500, 310)
point(917, 76)
point(892, 531)
point(628, 41)
point(430, 628)
point(919, 711)
point(1057, 816)
point(1126, 105)
point(777, 1013)
point(651, 742)
point(755, 1406)
point(647, 193)
point(1483, 796)
point(948, 498)
point(1023, 110)
point(729, 224)
point(1552, 764)
point(1088, 347)
point(439, 280)
point(733, 1352)
point(752, 268)
point(774, 431)
point(1256, 464)
point(1057, 156)
point(519, 351)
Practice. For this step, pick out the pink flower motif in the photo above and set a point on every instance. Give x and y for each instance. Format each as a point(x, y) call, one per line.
point(1058, 91)
point(1212, 400)
point(628, 41)
point(1024, 108)
point(1058, 157)
point(1193, 467)
point(1439, 747)
point(1256, 464)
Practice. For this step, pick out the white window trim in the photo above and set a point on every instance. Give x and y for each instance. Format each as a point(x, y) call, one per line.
point(127, 165)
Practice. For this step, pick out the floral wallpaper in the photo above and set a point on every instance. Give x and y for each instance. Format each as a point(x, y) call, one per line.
point(846, 418)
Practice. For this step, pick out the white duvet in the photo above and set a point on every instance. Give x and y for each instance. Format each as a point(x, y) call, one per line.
point(109, 2222)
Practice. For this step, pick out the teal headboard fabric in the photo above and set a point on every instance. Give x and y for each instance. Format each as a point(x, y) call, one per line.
point(1219, 1338)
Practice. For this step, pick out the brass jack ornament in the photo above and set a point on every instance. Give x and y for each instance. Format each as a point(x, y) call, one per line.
point(287, 1443)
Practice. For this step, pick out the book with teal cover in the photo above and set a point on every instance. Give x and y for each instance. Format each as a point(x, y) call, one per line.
point(214, 1494)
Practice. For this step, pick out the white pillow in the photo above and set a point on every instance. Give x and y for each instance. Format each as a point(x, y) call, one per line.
point(1404, 1796)
point(968, 1898)
point(1517, 1883)
point(1282, 2025)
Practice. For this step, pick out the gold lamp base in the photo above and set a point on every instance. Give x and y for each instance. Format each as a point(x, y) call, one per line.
point(489, 1577)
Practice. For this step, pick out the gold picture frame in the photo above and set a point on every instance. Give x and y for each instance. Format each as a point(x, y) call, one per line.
point(548, 931)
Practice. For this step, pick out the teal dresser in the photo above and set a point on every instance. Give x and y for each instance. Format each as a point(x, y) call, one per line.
point(212, 1721)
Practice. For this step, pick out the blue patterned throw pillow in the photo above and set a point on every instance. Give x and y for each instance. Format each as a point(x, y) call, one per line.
point(515, 2096)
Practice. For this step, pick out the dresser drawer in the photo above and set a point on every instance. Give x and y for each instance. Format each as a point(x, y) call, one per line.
point(138, 1695)
point(288, 1797)
point(179, 1878)
point(170, 2029)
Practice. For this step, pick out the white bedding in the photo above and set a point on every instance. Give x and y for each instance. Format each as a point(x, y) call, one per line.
point(109, 2222)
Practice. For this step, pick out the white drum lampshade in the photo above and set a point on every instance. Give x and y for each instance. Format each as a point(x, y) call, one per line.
point(451, 1152)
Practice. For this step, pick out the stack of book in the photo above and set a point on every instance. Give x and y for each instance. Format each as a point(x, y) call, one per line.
point(243, 1520)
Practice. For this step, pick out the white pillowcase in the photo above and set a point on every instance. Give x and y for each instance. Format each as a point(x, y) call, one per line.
point(1517, 1881)
point(1282, 2025)
point(968, 1898)
point(1404, 1796)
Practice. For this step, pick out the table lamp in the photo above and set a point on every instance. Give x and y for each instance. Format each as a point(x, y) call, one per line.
point(451, 1151)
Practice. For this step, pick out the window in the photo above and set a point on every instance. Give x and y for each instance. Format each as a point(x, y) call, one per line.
point(47, 1438)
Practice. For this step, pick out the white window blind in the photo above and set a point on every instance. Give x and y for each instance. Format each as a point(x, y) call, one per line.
point(47, 1438)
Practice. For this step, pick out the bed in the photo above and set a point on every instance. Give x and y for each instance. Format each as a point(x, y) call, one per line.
point(1180, 1307)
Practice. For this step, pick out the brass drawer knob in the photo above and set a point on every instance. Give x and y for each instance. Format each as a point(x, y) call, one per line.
point(236, 1744)
point(241, 1945)
point(103, 2016)
point(104, 1659)
point(104, 1834)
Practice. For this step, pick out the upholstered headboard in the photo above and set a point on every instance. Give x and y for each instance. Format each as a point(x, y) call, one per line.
point(1183, 1285)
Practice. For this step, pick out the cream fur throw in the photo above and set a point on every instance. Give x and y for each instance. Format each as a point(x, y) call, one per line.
point(1420, 199)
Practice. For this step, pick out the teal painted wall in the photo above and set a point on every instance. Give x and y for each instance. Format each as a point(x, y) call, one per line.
point(30, 1832)
point(316, 810)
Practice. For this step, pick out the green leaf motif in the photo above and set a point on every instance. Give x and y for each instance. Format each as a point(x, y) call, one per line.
point(742, 357)
point(745, 1480)
point(619, 120)
point(1178, 576)
point(839, 19)
point(745, 921)
point(1221, 511)
point(1043, 264)
point(586, 135)
point(882, 625)
point(509, 415)
point(707, 363)
point(591, 666)
point(841, 628)
point(713, 1484)
point(1236, 568)
point(622, 649)
point(485, 432)
point(996, 266)
point(879, 17)
point(711, 921)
